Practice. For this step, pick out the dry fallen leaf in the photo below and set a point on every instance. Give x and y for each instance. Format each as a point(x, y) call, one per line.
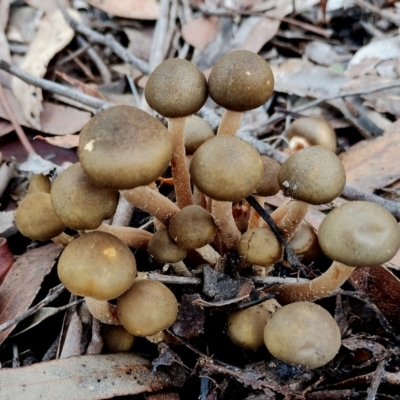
point(23, 281)
point(135, 9)
point(87, 378)
point(6, 258)
point(55, 119)
point(67, 141)
point(6, 220)
point(52, 35)
point(200, 31)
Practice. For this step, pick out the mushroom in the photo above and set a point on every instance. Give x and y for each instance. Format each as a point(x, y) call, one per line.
point(36, 219)
point(147, 308)
point(246, 327)
point(163, 249)
point(226, 169)
point(356, 234)
point(100, 267)
point(177, 89)
point(192, 227)
point(239, 81)
point(116, 339)
point(39, 183)
point(303, 334)
point(124, 147)
point(311, 131)
point(259, 246)
point(78, 202)
point(196, 132)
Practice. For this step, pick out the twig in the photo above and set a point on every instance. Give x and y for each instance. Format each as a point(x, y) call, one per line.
point(52, 295)
point(178, 280)
point(372, 390)
point(18, 129)
point(54, 87)
point(323, 99)
point(6, 172)
point(109, 41)
point(290, 255)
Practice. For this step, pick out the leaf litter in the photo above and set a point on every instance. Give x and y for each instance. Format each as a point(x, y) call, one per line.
point(338, 59)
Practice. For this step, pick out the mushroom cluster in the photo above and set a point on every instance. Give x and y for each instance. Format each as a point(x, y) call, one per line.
point(123, 153)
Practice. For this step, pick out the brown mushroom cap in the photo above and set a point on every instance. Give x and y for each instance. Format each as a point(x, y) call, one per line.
point(192, 227)
point(39, 183)
point(269, 184)
point(176, 88)
point(246, 327)
point(226, 168)
point(302, 334)
point(259, 246)
point(314, 175)
point(79, 203)
point(36, 219)
point(359, 234)
point(196, 132)
point(163, 249)
point(124, 147)
point(98, 265)
point(241, 81)
point(147, 308)
point(316, 131)
point(116, 338)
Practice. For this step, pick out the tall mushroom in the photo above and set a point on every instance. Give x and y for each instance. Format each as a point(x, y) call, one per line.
point(177, 89)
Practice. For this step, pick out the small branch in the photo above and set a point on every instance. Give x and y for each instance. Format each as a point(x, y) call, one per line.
point(290, 255)
point(109, 41)
point(373, 389)
point(54, 87)
point(52, 295)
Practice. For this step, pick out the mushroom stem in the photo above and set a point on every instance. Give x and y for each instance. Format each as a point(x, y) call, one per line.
point(230, 122)
point(151, 202)
point(123, 213)
point(228, 232)
point(317, 288)
point(103, 311)
point(180, 171)
point(132, 237)
point(255, 220)
point(63, 238)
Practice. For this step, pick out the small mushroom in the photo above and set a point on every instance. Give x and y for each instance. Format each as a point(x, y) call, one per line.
point(116, 339)
point(303, 334)
point(36, 219)
point(196, 132)
point(177, 89)
point(259, 246)
point(163, 249)
point(239, 81)
point(124, 147)
point(356, 234)
point(305, 243)
point(97, 265)
point(314, 175)
point(311, 131)
point(39, 183)
point(192, 227)
point(147, 308)
point(78, 202)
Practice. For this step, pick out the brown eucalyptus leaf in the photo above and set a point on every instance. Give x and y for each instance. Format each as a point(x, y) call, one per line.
point(67, 141)
point(200, 31)
point(23, 281)
point(137, 9)
point(6, 258)
point(86, 378)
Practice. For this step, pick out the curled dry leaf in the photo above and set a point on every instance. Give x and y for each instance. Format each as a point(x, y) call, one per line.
point(23, 281)
point(87, 378)
point(52, 35)
point(67, 141)
point(136, 9)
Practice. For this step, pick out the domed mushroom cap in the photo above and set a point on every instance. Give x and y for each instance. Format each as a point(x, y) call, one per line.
point(302, 334)
point(78, 202)
point(163, 249)
point(259, 246)
point(269, 184)
point(226, 168)
point(124, 147)
point(196, 132)
point(98, 265)
point(314, 175)
point(315, 131)
point(241, 81)
point(359, 234)
point(147, 308)
point(192, 227)
point(39, 183)
point(176, 88)
point(36, 219)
